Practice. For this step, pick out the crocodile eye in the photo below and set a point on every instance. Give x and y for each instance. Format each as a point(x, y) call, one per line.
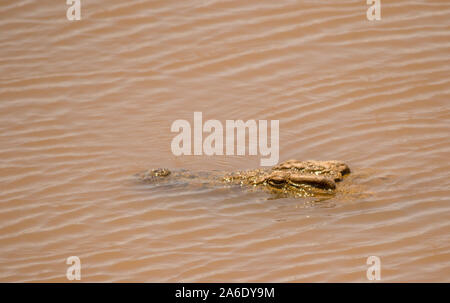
point(276, 182)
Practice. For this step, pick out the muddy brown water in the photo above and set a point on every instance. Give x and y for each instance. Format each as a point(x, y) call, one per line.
point(86, 104)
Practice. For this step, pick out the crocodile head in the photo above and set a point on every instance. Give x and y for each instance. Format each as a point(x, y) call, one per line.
point(295, 177)
point(289, 178)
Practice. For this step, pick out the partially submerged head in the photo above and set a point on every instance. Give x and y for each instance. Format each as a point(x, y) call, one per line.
point(292, 178)
point(295, 176)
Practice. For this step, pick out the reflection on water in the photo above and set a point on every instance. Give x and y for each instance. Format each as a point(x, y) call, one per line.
point(86, 104)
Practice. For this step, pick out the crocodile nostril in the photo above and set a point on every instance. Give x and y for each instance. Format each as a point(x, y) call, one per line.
point(160, 172)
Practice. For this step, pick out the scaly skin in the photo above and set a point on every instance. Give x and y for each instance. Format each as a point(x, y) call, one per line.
point(290, 178)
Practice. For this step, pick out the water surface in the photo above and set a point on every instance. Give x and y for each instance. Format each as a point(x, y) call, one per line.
point(86, 104)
